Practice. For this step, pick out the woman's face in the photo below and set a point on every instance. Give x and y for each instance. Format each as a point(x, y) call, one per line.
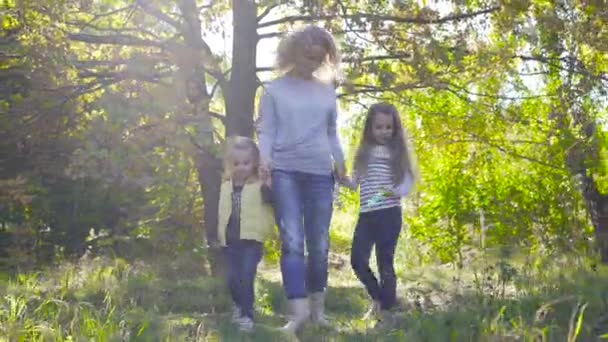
point(308, 59)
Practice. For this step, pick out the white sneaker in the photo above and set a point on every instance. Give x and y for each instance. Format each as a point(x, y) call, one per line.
point(236, 313)
point(245, 324)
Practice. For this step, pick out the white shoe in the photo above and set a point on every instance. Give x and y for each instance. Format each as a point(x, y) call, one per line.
point(236, 313)
point(317, 309)
point(245, 324)
point(300, 312)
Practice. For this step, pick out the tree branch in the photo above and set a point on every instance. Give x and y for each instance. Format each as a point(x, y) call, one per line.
point(102, 15)
point(553, 62)
point(404, 55)
point(370, 89)
point(158, 14)
point(378, 17)
point(267, 10)
point(118, 39)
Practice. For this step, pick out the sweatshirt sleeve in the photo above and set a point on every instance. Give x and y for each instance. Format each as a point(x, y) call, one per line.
point(334, 139)
point(267, 128)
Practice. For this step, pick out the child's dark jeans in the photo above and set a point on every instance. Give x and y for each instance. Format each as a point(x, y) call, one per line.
point(379, 228)
point(242, 257)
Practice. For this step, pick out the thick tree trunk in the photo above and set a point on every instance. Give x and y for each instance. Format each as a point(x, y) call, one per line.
point(209, 175)
point(240, 100)
point(597, 205)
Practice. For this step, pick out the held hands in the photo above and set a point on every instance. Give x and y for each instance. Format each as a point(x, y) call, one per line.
point(340, 174)
point(265, 170)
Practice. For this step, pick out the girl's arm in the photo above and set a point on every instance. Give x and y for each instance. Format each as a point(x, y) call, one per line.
point(405, 187)
point(267, 129)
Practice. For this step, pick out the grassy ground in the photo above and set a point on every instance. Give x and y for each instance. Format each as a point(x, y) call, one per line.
point(551, 299)
point(520, 298)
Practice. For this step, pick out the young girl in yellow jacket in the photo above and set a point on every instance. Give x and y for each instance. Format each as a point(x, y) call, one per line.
point(245, 221)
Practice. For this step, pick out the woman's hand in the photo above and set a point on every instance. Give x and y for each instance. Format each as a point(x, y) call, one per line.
point(265, 173)
point(340, 172)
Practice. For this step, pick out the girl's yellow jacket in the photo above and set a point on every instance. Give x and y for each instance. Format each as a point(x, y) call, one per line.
point(257, 218)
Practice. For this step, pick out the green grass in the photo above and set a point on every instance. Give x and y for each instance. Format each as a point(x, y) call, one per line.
point(523, 298)
point(103, 299)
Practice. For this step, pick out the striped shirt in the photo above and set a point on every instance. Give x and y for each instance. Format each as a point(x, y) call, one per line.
point(377, 189)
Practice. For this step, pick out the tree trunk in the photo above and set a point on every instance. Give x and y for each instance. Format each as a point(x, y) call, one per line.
point(243, 80)
point(597, 205)
point(209, 169)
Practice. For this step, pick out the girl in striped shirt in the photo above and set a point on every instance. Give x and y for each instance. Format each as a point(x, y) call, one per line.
point(383, 172)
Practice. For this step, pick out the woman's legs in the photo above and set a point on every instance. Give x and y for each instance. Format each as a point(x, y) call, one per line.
point(288, 213)
point(317, 193)
point(303, 208)
point(318, 207)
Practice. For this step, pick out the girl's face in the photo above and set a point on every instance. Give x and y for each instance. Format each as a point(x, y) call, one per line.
point(309, 59)
point(382, 128)
point(243, 165)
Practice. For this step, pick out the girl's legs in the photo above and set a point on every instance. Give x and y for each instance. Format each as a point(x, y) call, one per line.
point(232, 274)
point(390, 224)
point(250, 255)
point(363, 240)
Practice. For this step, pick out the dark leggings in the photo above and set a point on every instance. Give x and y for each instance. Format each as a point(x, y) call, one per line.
point(379, 228)
point(243, 258)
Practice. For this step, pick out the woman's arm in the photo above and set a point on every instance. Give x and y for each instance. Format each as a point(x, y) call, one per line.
point(267, 128)
point(334, 141)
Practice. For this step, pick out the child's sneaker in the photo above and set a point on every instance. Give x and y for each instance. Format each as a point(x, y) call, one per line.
point(236, 313)
point(245, 324)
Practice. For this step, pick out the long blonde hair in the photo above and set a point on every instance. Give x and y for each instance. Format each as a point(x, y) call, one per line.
point(240, 143)
point(401, 163)
point(305, 38)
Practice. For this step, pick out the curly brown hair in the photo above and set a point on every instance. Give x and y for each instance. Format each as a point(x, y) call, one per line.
point(303, 40)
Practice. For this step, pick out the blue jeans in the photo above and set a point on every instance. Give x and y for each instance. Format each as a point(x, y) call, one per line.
point(303, 209)
point(380, 229)
point(242, 257)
